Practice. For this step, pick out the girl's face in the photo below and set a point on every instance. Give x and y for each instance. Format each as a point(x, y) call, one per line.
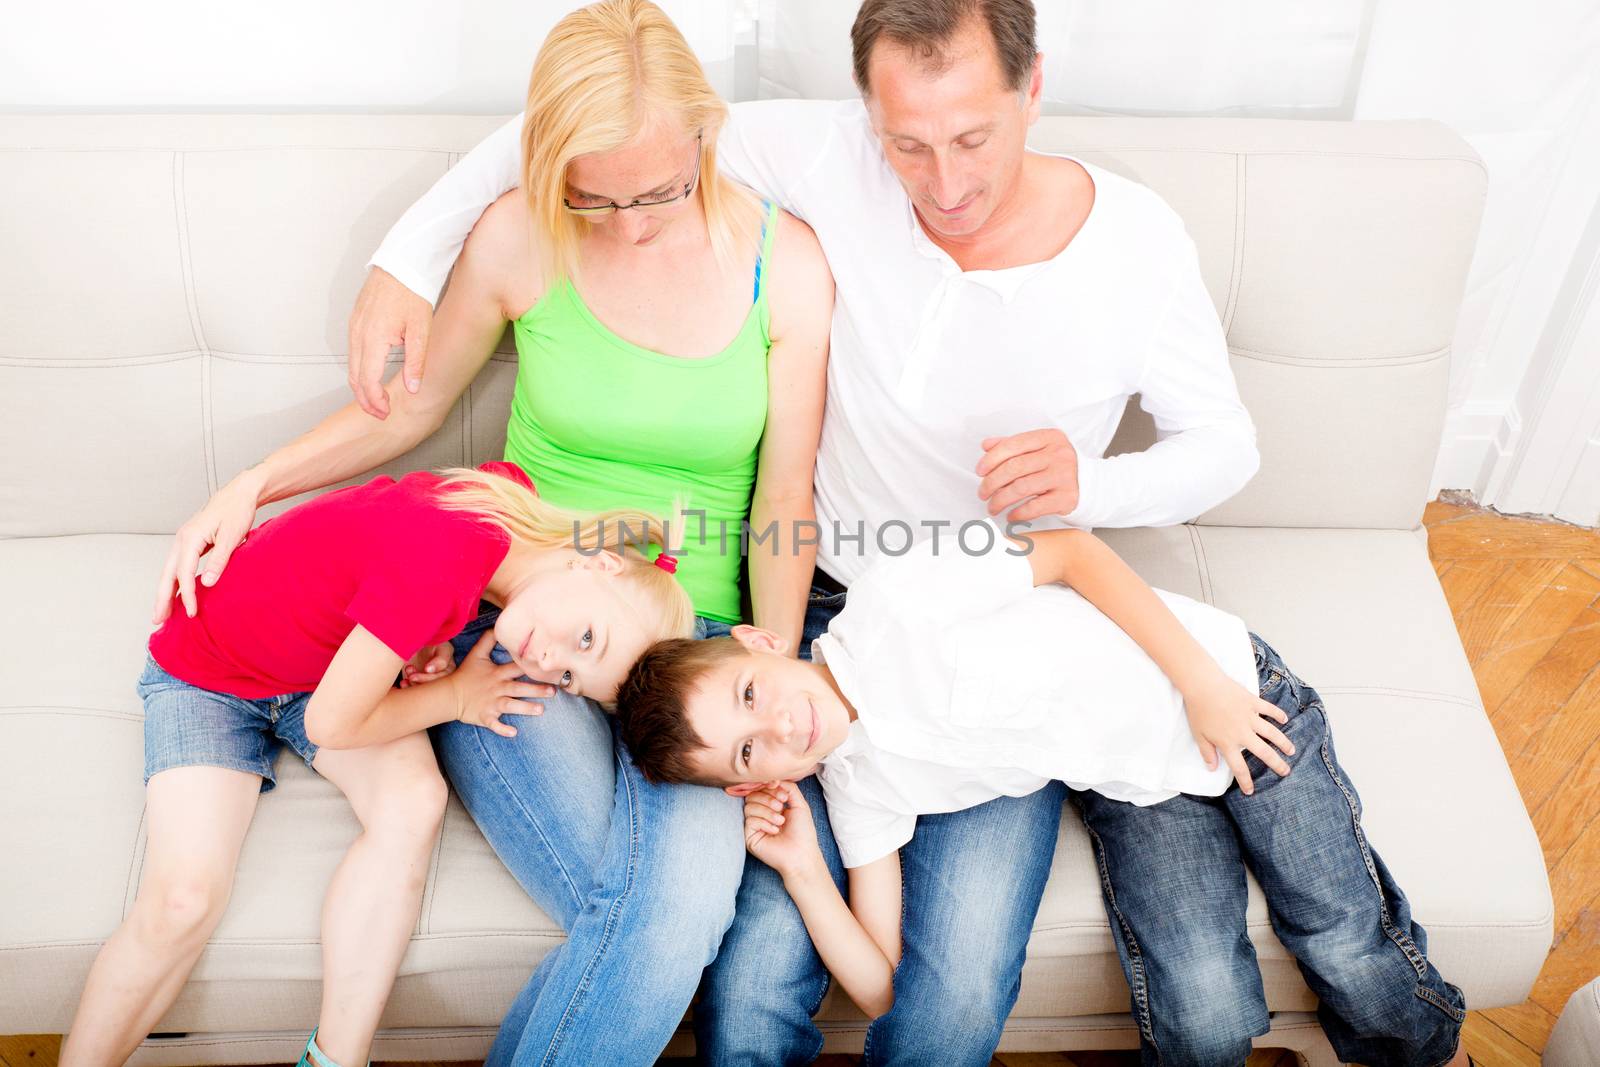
point(573, 628)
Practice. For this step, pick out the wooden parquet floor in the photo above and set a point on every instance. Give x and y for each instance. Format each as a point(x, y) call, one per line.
point(1526, 599)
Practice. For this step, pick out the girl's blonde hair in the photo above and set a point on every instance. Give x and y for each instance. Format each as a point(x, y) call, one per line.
point(664, 607)
point(604, 73)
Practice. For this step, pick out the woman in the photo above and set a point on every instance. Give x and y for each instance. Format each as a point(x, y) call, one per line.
point(625, 264)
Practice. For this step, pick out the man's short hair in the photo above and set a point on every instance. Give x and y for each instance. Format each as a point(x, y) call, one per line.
point(926, 27)
point(652, 707)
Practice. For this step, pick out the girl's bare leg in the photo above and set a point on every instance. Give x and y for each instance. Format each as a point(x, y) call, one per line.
point(197, 821)
point(373, 901)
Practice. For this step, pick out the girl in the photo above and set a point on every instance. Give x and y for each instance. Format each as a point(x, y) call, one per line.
point(323, 607)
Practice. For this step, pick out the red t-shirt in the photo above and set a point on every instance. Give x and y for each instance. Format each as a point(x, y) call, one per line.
point(383, 555)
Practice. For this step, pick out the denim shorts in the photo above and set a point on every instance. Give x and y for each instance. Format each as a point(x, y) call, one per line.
point(186, 726)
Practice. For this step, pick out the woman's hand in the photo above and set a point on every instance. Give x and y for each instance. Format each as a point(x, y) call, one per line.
point(485, 690)
point(430, 664)
point(1226, 718)
point(778, 828)
point(219, 526)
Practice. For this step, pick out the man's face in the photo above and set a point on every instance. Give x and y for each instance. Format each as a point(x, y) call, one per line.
point(764, 716)
point(956, 137)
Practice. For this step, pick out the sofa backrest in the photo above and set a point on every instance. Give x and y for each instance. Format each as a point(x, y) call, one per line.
point(174, 293)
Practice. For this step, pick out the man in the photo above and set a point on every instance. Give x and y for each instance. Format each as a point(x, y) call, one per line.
point(995, 309)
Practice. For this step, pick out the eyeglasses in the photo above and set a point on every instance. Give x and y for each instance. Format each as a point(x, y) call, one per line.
point(600, 210)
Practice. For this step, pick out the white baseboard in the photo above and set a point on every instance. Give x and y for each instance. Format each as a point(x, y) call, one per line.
point(1479, 440)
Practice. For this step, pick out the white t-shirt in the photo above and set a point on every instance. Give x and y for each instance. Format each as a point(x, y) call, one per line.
point(927, 360)
point(969, 684)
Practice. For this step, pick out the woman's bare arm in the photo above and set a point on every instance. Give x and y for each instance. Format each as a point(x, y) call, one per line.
point(797, 369)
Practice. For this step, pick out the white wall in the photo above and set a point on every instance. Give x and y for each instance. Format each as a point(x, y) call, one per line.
point(1521, 83)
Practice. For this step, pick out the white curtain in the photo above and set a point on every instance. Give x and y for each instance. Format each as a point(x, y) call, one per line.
point(434, 56)
point(1124, 57)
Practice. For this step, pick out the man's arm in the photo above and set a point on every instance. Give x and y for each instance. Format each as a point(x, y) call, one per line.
point(1206, 442)
point(1226, 720)
point(420, 249)
point(409, 268)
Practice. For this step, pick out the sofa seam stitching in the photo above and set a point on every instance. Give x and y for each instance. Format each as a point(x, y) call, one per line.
point(1236, 271)
point(1202, 565)
point(1333, 363)
point(425, 917)
point(98, 362)
point(192, 298)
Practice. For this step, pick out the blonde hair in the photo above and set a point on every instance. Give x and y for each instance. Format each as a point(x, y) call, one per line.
point(604, 73)
point(663, 605)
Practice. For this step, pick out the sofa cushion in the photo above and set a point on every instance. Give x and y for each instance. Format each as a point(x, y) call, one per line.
point(1357, 613)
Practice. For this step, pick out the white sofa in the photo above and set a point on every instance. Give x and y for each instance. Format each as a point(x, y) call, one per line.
point(175, 291)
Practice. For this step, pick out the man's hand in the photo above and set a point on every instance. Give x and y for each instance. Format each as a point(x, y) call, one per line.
point(485, 690)
point(778, 828)
point(1041, 464)
point(428, 665)
point(386, 314)
point(1229, 720)
point(220, 526)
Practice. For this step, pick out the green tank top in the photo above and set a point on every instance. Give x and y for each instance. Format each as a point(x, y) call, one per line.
point(598, 423)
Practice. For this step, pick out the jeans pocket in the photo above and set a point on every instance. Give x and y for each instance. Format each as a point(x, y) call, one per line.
point(154, 678)
point(821, 598)
point(1307, 731)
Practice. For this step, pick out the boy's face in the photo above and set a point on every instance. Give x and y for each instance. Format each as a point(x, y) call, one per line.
point(573, 628)
point(764, 716)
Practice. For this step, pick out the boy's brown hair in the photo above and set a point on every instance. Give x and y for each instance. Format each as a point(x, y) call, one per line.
point(652, 706)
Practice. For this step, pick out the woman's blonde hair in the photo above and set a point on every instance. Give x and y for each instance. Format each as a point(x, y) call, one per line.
point(604, 73)
point(664, 607)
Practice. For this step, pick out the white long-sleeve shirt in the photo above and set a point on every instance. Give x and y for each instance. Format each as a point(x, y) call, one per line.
point(927, 360)
point(970, 683)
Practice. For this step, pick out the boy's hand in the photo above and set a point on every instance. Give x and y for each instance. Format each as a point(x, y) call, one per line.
point(485, 690)
point(778, 829)
point(429, 665)
point(1228, 719)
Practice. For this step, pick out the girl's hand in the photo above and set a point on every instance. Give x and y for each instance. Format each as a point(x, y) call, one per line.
point(485, 690)
point(778, 829)
point(429, 665)
point(1226, 718)
point(219, 526)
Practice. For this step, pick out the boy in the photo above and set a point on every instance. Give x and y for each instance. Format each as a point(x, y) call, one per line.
point(963, 671)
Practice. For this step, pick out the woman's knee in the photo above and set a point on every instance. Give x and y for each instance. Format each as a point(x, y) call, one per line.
point(690, 862)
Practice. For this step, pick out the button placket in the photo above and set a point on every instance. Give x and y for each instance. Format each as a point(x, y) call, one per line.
point(913, 382)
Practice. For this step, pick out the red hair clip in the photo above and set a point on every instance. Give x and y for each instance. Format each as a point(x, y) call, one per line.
point(668, 563)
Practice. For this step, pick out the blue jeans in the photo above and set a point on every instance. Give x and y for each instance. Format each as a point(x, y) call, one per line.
point(1173, 879)
point(972, 883)
point(642, 877)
